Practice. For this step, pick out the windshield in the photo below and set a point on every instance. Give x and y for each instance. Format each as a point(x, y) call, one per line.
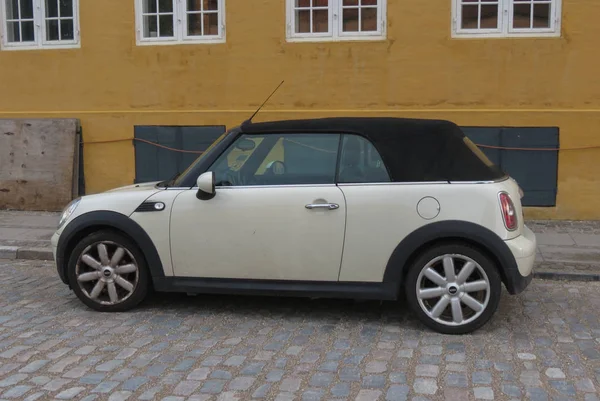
point(181, 176)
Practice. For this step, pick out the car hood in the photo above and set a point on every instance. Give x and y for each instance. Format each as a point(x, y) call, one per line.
point(135, 187)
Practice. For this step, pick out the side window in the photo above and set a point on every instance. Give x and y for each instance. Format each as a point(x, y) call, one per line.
point(278, 159)
point(360, 162)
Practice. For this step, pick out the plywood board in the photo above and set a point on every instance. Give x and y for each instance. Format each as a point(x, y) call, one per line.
point(37, 159)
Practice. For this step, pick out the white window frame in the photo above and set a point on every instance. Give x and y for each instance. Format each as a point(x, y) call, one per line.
point(505, 22)
point(39, 30)
point(335, 32)
point(179, 27)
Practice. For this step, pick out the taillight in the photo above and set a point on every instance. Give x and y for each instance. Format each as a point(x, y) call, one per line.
point(509, 213)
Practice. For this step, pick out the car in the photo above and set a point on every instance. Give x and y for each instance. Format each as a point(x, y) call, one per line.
point(406, 210)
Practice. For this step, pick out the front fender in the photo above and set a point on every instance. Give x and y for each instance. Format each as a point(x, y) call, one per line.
point(92, 221)
point(477, 235)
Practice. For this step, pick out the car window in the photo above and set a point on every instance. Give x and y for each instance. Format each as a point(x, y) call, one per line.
point(360, 162)
point(279, 159)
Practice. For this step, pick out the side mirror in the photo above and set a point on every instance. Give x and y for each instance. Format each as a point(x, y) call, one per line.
point(206, 186)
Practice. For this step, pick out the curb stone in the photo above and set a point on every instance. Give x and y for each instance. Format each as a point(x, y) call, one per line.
point(8, 252)
point(546, 275)
point(34, 254)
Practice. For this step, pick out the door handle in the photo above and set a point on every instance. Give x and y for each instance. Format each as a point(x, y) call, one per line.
point(328, 206)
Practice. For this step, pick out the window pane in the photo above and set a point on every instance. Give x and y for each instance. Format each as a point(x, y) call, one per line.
point(470, 16)
point(350, 20)
point(350, 2)
point(522, 16)
point(360, 162)
point(320, 3)
point(211, 5)
point(27, 9)
point(67, 30)
point(194, 24)
point(302, 3)
point(165, 6)
point(303, 21)
point(308, 159)
point(12, 10)
point(27, 31)
point(150, 26)
point(51, 8)
point(211, 24)
point(489, 16)
point(541, 16)
point(66, 8)
point(13, 32)
point(368, 2)
point(52, 29)
point(320, 21)
point(194, 5)
point(149, 6)
point(166, 26)
point(368, 19)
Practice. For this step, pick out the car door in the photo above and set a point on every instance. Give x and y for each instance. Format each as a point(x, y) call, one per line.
point(276, 215)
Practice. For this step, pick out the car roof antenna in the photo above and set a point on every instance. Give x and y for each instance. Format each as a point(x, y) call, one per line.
point(265, 102)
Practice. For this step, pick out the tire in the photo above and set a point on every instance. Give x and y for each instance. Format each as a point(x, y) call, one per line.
point(117, 286)
point(447, 306)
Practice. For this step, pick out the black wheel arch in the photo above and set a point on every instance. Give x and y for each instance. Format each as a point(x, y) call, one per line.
point(478, 236)
point(94, 221)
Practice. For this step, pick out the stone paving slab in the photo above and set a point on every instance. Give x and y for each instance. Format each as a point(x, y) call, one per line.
point(541, 345)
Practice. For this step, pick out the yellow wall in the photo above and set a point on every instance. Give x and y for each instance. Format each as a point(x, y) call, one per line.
point(111, 84)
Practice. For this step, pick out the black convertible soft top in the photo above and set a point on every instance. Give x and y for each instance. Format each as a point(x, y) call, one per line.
point(413, 150)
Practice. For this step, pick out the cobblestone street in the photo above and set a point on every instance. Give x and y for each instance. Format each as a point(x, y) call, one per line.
point(542, 345)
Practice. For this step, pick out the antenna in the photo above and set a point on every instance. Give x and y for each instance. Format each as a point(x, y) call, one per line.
point(265, 102)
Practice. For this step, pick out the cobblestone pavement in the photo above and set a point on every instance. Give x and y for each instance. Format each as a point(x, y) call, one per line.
point(542, 345)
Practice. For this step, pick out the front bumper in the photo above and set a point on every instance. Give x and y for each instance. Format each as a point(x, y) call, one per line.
point(523, 250)
point(57, 260)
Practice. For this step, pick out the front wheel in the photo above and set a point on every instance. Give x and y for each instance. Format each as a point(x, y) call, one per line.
point(453, 288)
point(108, 272)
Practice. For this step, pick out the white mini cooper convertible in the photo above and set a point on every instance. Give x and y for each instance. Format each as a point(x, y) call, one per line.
point(368, 208)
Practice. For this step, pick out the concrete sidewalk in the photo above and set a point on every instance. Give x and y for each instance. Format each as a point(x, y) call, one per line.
point(566, 249)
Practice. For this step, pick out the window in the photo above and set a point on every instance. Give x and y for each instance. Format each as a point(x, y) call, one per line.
point(180, 21)
point(322, 20)
point(506, 18)
point(35, 24)
point(290, 159)
point(360, 162)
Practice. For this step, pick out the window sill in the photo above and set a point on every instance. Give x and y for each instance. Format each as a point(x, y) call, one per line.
point(11, 47)
point(514, 35)
point(321, 39)
point(181, 42)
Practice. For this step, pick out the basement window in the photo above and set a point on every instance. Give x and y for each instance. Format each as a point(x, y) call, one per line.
point(39, 24)
point(180, 21)
point(335, 20)
point(506, 18)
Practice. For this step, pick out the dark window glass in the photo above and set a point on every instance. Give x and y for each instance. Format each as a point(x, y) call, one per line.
point(67, 30)
point(27, 9)
point(66, 8)
point(51, 9)
point(360, 162)
point(52, 29)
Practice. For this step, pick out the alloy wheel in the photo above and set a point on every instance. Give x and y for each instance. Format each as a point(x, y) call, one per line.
point(453, 290)
point(107, 273)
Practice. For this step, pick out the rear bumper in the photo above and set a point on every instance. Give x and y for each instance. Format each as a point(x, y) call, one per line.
point(523, 250)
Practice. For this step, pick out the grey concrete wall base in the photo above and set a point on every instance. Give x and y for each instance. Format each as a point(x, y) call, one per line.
point(35, 253)
point(8, 252)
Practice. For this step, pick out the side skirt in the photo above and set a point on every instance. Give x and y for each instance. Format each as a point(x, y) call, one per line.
point(312, 289)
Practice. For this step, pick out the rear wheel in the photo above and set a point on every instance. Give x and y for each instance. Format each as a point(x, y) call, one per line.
point(453, 288)
point(108, 273)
